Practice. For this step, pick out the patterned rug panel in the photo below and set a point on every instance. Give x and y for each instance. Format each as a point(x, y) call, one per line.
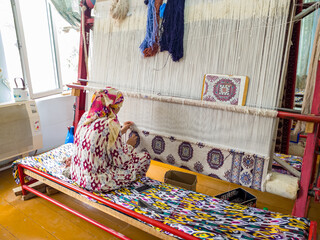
point(197, 214)
point(226, 164)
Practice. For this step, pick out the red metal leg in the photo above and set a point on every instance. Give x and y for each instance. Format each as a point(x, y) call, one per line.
point(300, 208)
point(21, 177)
point(313, 231)
point(82, 70)
point(109, 230)
point(31, 181)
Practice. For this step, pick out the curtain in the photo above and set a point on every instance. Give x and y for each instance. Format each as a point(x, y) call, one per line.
point(69, 10)
point(307, 32)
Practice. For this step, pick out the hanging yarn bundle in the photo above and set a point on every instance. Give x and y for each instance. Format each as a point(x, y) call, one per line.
point(119, 9)
point(150, 45)
point(172, 29)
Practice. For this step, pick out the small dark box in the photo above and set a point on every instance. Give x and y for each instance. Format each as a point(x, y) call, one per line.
point(181, 179)
point(239, 196)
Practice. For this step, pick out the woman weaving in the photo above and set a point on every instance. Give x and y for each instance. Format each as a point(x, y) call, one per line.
point(102, 162)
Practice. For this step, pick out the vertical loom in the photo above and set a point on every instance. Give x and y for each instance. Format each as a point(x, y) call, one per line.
point(226, 37)
point(163, 60)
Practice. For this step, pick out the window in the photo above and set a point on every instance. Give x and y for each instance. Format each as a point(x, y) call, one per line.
point(68, 37)
point(46, 65)
point(46, 51)
point(10, 63)
point(38, 46)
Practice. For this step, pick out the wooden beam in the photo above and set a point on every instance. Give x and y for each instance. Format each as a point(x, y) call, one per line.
point(41, 187)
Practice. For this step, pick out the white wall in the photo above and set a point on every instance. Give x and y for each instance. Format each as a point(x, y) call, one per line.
point(56, 114)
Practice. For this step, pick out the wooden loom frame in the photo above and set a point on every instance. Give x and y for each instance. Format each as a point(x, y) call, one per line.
point(300, 207)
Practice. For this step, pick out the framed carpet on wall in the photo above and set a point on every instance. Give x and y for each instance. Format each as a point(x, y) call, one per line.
point(226, 89)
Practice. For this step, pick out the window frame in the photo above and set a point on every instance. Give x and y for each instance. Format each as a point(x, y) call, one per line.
point(23, 50)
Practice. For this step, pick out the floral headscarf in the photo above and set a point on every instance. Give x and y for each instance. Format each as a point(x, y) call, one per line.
point(103, 104)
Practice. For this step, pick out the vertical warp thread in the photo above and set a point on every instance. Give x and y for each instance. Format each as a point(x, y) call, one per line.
point(172, 29)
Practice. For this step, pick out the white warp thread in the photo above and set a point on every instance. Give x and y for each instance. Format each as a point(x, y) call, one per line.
point(235, 37)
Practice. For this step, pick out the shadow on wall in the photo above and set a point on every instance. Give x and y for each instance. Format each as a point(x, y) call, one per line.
point(56, 114)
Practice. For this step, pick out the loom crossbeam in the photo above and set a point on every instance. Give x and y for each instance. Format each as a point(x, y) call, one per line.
point(279, 114)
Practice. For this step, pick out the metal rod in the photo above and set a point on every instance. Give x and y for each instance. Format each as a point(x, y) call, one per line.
point(301, 117)
point(306, 12)
point(109, 230)
point(308, 4)
point(21, 177)
point(83, 80)
point(113, 205)
point(313, 231)
point(31, 181)
point(289, 110)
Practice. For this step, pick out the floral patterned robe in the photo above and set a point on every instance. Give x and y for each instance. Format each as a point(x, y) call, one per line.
point(96, 168)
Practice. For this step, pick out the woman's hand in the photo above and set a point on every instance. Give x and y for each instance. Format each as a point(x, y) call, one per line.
point(126, 126)
point(132, 140)
point(67, 161)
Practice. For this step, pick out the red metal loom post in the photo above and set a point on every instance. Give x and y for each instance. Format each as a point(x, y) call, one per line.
point(82, 69)
point(115, 206)
point(290, 85)
point(95, 223)
point(301, 206)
